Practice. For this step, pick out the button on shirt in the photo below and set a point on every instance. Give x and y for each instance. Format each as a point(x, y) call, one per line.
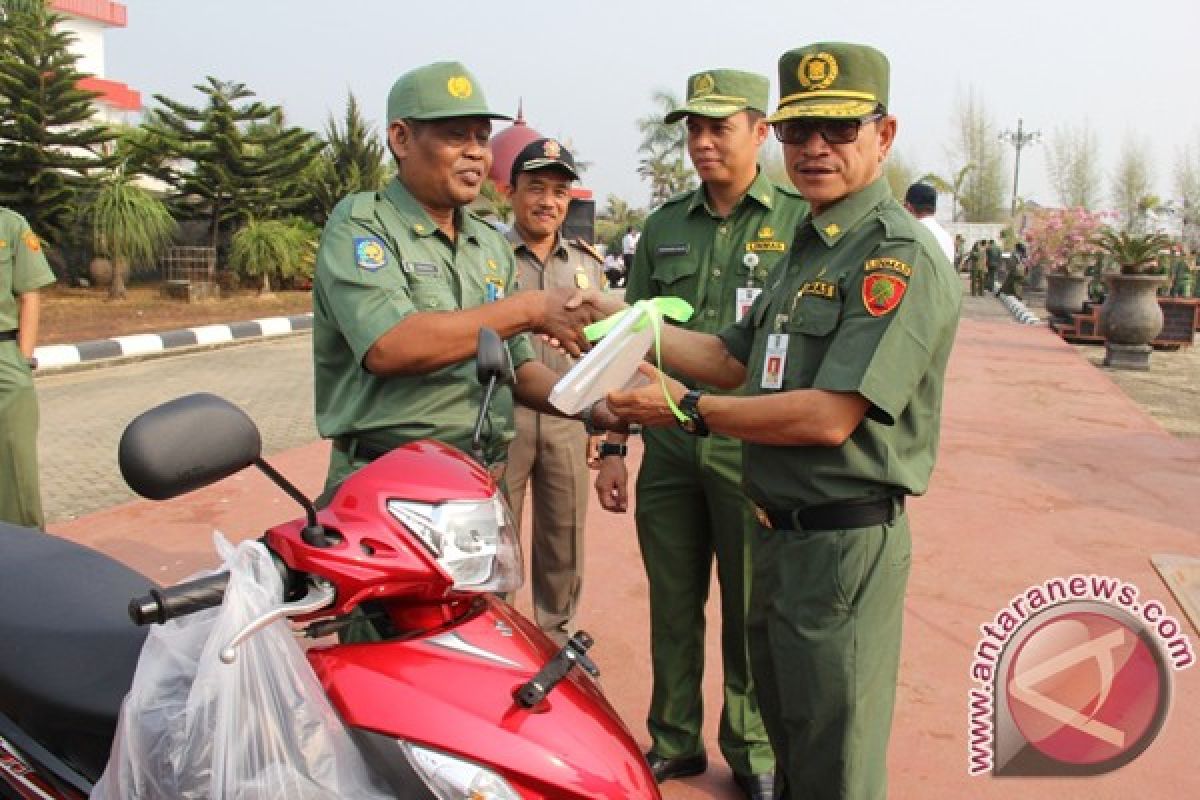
point(838, 340)
point(382, 258)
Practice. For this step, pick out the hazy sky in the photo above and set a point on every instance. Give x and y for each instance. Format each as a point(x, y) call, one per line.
point(586, 70)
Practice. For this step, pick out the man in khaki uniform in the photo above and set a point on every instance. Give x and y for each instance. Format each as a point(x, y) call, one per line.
point(406, 277)
point(713, 247)
point(550, 452)
point(23, 271)
point(843, 358)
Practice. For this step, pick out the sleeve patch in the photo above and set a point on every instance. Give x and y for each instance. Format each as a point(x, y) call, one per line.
point(891, 264)
point(31, 241)
point(369, 252)
point(881, 293)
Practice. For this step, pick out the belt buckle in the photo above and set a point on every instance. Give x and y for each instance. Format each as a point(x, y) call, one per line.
point(764, 519)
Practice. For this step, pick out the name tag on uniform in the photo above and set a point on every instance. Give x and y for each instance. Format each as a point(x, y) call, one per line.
point(746, 295)
point(672, 249)
point(419, 267)
point(774, 361)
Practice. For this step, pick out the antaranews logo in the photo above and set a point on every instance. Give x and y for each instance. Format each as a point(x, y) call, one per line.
point(1072, 677)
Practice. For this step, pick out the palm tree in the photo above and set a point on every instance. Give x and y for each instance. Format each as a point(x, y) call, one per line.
point(658, 137)
point(129, 225)
point(953, 187)
point(282, 247)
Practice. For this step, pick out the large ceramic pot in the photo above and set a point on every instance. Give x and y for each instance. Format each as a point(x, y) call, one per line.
point(100, 270)
point(1035, 281)
point(1131, 315)
point(1065, 294)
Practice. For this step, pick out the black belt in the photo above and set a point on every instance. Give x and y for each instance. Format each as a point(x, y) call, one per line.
point(360, 449)
point(832, 517)
point(8, 336)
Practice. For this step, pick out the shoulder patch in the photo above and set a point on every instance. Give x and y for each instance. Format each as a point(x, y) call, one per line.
point(31, 240)
point(369, 252)
point(882, 293)
point(587, 247)
point(890, 264)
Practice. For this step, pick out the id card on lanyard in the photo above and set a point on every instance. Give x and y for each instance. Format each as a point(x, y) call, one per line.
point(775, 356)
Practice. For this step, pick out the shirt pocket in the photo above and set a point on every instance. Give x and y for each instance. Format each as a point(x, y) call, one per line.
point(431, 293)
point(673, 273)
point(814, 316)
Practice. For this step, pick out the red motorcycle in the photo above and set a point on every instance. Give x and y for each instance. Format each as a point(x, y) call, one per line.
point(462, 697)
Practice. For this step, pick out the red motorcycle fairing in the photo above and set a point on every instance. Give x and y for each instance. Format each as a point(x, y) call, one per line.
point(453, 691)
point(373, 557)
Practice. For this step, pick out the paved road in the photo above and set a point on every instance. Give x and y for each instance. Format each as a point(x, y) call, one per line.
point(84, 413)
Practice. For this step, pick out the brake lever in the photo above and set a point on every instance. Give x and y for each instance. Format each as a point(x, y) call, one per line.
point(320, 595)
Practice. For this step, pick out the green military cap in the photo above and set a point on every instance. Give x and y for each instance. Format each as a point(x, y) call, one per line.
point(438, 91)
point(832, 80)
point(722, 93)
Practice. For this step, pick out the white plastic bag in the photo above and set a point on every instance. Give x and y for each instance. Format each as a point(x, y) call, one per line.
point(260, 728)
point(610, 365)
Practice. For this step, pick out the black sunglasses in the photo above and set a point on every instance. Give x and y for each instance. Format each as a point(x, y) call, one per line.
point(833, 131)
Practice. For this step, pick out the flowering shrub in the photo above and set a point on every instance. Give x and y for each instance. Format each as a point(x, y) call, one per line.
point(1062, 240)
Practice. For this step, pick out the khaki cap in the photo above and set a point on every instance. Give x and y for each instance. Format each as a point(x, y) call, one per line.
point(442, 90)
point(834, 80)
point(722, 93)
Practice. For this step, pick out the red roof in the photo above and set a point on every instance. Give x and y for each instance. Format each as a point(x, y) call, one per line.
point(506, 145)
point(111, 14)
point(113, 93)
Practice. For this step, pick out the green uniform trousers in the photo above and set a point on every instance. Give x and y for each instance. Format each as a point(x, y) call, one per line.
point(824, 633)
point(690, 508)
point(977, 283)
point(20, 493)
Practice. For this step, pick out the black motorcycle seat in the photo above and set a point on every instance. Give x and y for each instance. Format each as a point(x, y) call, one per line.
point(67, 647)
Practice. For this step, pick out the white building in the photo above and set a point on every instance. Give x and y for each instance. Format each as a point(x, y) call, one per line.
point(87, 20)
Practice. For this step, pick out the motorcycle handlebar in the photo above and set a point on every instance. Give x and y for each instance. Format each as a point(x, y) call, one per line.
point(161, 605)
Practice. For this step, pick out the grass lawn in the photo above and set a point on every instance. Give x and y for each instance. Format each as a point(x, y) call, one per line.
point(79, 315)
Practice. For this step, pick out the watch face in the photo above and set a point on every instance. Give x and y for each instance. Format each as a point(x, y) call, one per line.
point(688, 425)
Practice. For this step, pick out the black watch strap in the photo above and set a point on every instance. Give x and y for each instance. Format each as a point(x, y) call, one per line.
point(690, 406)
point(612, 449)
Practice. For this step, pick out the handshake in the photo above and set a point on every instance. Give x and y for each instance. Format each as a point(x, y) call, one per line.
point(562, 314)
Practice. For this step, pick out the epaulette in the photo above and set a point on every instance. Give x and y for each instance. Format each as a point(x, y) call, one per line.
point(362, 205)
point(587, 247)
point(897, 223)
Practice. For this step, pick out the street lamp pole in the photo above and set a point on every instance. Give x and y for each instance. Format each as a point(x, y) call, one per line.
point(1018, 140)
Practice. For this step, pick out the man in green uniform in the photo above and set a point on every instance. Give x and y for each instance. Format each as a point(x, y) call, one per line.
point(23, 270)
point(714, 247)
point(993, 257)
point(843, 358)
point(550, 452)
point(977, 263)
point(406, 277)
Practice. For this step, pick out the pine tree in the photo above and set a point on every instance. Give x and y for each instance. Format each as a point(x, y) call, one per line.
point(232, 159)
point(352, 161)
point(48, 144)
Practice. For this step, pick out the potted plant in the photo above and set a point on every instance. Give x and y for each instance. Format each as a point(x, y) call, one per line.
point(1061, 247)
point(1131, 317)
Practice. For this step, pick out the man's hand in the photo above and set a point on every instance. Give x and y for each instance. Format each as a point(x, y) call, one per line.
point(612, 484)
point(604, 419)
point(563, 316)
point(593, 450)
point(646, 403)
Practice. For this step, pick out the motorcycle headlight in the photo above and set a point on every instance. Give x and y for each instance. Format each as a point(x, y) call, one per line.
point(476, 543)
point(451, 778)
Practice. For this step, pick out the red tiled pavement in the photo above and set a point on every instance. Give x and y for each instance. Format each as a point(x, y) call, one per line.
point(1046, 470)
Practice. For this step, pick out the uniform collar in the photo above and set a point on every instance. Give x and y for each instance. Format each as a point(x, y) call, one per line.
point(835, 222)
point(761, 191)
point(514, 238)
point(417, 219)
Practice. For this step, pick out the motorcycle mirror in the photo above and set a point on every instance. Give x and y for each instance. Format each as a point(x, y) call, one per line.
point(492, 359)
point(186, 444)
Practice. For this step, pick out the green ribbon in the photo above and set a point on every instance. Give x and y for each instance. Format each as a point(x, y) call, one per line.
point(654, 309)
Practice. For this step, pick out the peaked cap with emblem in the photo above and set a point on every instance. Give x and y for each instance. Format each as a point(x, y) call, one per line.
point(831, 80)
point(543, 154)
point(442, 90)
point(722, 93)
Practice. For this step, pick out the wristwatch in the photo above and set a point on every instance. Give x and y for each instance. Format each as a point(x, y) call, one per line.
point(589, 424)
point(689, 405)
point(612, 449)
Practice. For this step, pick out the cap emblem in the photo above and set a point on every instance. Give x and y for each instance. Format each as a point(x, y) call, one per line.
point(704, 84)
point(817, 71)
point(552, 149)
point(459, 86)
